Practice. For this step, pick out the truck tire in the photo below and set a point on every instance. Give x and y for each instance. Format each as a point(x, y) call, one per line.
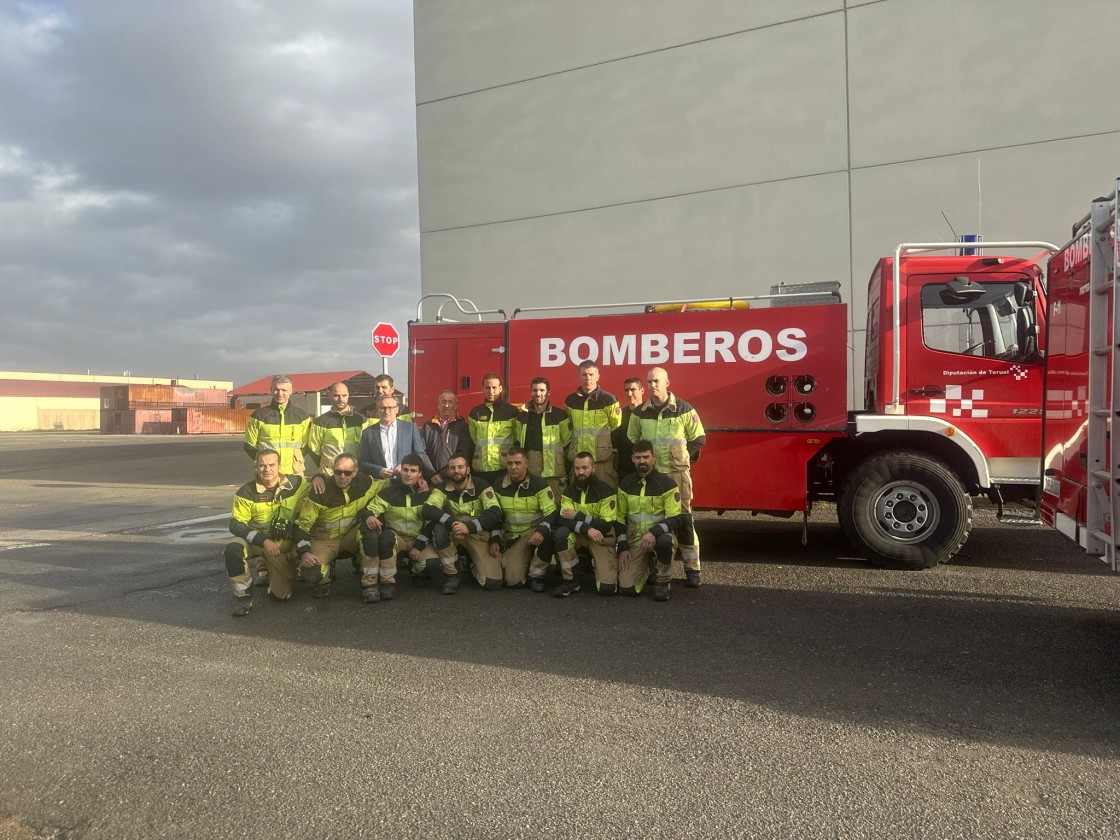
point(905, 510)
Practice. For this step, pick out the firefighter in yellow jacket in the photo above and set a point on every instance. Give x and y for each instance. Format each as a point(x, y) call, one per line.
point(260, 522)
point(463, 510)
point(326, 527)
point(649, 505)
point(392, 523)
point(588, 509)
point(493, 430)
point(675, 430)
point(594, 413)
point(336, 431)
point(279, 426)
point(544, 431)
point(522, 546)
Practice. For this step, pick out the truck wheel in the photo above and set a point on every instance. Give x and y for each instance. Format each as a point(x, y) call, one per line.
point(905, 510)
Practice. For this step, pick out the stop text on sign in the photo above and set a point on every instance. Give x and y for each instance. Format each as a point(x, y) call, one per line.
point(386, 339)
point(680, 348)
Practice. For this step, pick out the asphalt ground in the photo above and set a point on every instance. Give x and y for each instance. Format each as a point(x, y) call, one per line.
point(799, 693)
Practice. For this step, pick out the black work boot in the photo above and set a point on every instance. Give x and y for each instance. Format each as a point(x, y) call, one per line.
point(536, 584)
point(241, 606)
point(661, 592)
point(388, 591)
point(566, 588)
point(692, 578)
point(451, 584)
point(370, 595)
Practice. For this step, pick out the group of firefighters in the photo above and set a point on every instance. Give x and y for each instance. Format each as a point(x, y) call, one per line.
point(503, 492)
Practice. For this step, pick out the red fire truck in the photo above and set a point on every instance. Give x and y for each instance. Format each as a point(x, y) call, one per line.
point(1079, 471)
point(952, 388)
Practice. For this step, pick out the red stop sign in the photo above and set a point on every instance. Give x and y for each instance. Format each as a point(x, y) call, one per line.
point(386, 339)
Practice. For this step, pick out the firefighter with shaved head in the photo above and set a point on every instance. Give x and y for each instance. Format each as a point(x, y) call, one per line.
point(674, 428)
point(463, 510)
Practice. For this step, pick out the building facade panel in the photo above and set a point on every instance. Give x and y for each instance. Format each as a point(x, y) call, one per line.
point(761, 106)
point(1023, 193)
point(735, 241)
point(940, 77)
point(472, 45)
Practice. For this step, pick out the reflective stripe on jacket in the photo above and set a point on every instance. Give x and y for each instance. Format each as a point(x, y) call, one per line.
point(400, 507)
point(332, 434)
point(526, 506)
point(674, 429)
point(331, 514)
point(493, 431)
point(283, 429)
point(646, 505)
point(260, 513)
point(596, 506)
point(475, 505)
point(593, 418)
point(556, 434)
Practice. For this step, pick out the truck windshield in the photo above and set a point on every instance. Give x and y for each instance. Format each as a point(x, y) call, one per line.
point(999, 324)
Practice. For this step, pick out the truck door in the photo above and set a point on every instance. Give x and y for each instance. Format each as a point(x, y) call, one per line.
point(974, 360)
point(452, 357)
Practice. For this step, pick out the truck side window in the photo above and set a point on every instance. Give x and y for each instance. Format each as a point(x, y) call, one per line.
point(996, 324)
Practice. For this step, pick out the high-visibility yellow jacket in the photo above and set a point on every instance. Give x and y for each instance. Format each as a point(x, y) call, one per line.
point(400, 508)
point(330, 515)
point(475, 506)
point(332, 434)
point(674, 429)
point(261, 513)
point(548, 432)
point(646, 505)
point(493, 432)
point(596, 506)
point(593, 418)
point(282, 429)
point(526, 506)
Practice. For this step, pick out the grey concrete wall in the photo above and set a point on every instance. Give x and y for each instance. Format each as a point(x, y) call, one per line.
point(648, 149)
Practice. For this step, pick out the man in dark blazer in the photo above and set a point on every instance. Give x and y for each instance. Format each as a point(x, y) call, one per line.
point(384, 443)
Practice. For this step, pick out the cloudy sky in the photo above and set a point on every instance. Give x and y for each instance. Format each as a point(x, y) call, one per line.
point(220, 188)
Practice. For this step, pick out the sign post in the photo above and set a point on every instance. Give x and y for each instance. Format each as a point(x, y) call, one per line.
point(386, 341)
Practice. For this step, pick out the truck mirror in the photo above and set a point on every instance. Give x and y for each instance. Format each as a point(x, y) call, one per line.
point(1024, 294)
point(960, 290)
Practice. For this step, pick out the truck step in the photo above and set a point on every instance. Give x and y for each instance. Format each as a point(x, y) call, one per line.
point(1009, 519)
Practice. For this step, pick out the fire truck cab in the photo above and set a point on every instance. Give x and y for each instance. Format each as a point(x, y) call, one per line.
point(952, 384)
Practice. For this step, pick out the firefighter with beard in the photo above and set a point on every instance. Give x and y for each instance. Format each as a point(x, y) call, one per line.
point(649, 507)
point(588, 510)
point(463, 510)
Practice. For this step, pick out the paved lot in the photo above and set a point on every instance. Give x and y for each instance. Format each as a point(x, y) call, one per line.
point(800, 693)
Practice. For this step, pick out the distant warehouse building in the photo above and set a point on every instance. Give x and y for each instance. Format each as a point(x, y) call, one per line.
point(33, 401)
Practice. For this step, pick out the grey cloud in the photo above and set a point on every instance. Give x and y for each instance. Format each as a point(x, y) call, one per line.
point(206, 188)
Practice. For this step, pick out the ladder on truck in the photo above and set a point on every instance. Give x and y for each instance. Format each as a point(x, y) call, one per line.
point(1102, 502)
